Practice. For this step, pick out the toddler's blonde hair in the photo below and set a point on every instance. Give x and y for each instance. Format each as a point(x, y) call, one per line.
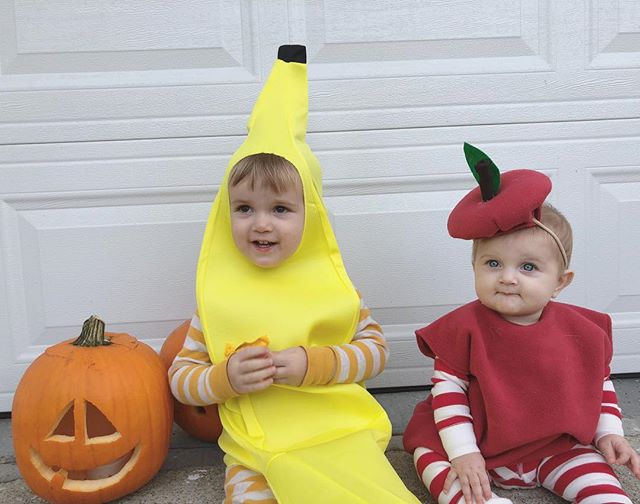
point(265, 170)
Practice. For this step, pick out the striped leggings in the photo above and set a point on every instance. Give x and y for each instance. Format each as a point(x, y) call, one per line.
point(580, 475)
point(244, 486)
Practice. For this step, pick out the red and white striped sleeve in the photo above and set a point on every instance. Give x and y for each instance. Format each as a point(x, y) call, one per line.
point(364, 357)
point(451, 410)
point(610, 421)
point(193, 378)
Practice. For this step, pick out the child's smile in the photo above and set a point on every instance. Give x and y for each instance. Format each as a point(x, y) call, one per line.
point(263, 245)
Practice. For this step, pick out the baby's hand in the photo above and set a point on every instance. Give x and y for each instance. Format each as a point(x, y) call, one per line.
point(470, 471)
point(617, 450)
point(291, 366)
point(251, 369)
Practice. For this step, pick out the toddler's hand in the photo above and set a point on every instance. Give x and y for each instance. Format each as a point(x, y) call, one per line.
point(251, 369)
point(470, 471)
point(291, 366)
point(617, 450)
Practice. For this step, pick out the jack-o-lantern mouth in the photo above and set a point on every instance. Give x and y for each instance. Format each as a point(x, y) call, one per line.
point(95, 430)
point(88, 480)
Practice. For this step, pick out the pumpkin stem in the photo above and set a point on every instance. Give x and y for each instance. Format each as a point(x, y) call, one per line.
point(92, 333)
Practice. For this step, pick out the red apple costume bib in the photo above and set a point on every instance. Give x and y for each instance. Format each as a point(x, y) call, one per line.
point(533, 390)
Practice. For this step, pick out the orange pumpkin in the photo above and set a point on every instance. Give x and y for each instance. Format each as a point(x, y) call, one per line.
point(202, 422)
point(92, 418)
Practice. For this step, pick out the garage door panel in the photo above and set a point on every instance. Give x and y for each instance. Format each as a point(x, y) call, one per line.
point(614, 208)
point(110, 38)
point(425, 38)
point(131, 264)
point(614, 36)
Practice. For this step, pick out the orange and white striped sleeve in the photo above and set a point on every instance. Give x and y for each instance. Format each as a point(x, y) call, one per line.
point(193, 378)
point(364, 357)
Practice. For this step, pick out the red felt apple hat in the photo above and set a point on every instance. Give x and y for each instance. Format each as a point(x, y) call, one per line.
point(502, 202)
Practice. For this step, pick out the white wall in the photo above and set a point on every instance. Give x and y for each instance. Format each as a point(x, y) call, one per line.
point(117, 119)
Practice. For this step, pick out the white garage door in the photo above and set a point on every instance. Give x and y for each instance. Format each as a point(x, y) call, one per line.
point(117, 119)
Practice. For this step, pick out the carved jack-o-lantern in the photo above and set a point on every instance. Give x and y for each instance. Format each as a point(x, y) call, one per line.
point(92, 418)
point(202, 422)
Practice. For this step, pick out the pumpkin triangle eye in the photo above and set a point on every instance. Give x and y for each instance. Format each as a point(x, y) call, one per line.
point(98, 424)
point(65, 426)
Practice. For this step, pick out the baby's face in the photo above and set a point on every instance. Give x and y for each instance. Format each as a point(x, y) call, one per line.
point(516, 274)
point(266, 226)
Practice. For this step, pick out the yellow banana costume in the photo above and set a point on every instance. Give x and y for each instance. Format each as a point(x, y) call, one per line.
point(317, 444)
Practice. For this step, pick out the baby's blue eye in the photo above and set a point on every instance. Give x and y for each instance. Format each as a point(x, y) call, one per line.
point(492, 263)
point(280, 209)
point(243, 208)
point(529, 267)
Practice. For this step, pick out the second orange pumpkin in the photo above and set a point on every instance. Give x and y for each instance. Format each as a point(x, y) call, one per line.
point(201, 422)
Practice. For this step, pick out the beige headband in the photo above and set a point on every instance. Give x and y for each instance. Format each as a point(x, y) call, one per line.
point(555, 238)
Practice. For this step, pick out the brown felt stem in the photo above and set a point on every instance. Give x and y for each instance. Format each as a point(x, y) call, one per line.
point(484, 174)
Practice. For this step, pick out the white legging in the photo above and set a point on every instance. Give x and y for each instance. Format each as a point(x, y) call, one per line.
point(580, 475)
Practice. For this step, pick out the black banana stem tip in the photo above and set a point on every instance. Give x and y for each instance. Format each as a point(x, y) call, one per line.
point(292, 53)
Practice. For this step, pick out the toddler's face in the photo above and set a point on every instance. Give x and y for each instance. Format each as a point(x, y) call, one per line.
point(516, 274)
point(266, 226)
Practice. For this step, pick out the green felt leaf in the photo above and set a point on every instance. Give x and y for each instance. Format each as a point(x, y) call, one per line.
point(475, 156)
